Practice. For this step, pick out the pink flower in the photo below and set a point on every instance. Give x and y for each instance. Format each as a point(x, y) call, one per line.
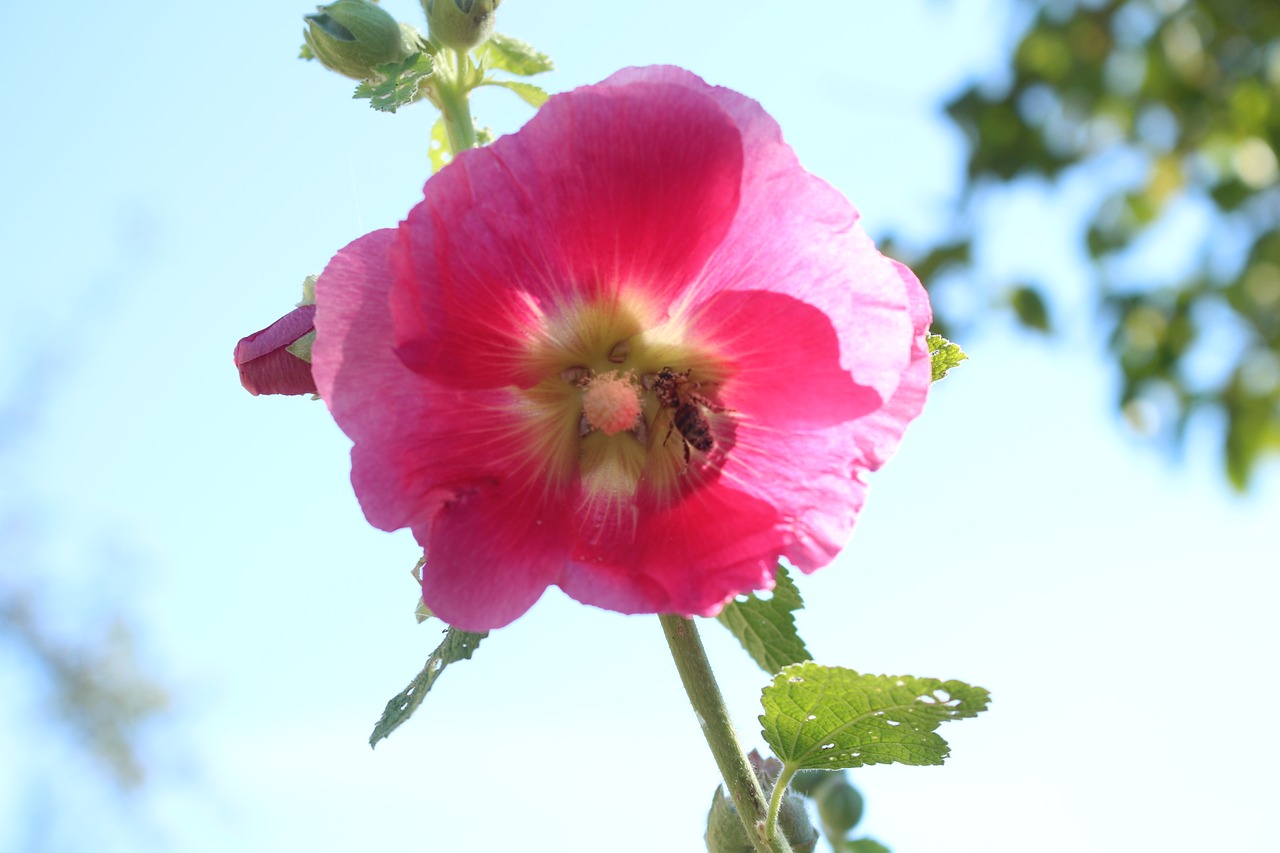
point(633, 350)
point(266, 364)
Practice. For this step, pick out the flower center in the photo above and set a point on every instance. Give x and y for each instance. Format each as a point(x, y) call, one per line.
point(611, 403)
point(628, 402)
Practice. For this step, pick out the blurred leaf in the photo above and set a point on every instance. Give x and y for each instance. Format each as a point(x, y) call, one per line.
point(1187, 95)
point(865, 845)
point(457, 646)
point(532, 95)
point(1029, 305)
point(766, 627)
point(438, 148)
point(513, 56)
point(828, 717)
point(399, 83)
point(944, 354)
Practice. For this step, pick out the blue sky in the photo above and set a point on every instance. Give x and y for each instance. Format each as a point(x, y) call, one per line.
point(164, 191)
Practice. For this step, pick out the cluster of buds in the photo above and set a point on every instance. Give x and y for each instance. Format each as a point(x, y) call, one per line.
point(356, 37)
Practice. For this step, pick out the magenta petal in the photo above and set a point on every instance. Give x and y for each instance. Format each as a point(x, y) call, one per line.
point(784, 355)
point(491, 553)
point(265, 363)
point(689, 557)
point(604, 189)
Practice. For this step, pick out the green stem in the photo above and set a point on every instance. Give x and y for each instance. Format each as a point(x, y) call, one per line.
point(704, 694)
point(455, 105)
point(775, 802)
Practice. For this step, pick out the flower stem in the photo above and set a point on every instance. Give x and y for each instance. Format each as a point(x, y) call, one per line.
point(454, 102)
point(704, 694)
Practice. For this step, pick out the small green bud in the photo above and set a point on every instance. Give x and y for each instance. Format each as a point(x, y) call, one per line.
point(353, 37)
point(839, 807)
point(460, 24)
point(725, 832)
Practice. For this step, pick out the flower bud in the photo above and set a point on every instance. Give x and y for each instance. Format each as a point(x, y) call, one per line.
point(725, 832)
point(353, 37)
point(460, 24)
point(277, 360)
point(839, 807)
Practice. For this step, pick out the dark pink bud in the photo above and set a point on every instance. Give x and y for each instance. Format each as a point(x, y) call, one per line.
point(269, 361)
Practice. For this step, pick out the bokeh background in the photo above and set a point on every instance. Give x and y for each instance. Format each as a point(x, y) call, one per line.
point(198, 629)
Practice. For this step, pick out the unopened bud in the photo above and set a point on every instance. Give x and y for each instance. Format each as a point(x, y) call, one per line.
point(353, 37)
point(839, 807)
point(460, 24)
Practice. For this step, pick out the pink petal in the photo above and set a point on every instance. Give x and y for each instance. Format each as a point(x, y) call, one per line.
point(449, 465)
point(266, 366)
point(784, 356)
point(491, 553)
point(592, 196)
point(688, 557)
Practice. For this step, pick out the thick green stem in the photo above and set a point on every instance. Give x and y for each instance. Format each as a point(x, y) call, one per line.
point(708, 704)
point(455, 104)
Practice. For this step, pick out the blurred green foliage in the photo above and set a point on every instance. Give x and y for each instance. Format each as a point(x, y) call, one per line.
point(1186, 97)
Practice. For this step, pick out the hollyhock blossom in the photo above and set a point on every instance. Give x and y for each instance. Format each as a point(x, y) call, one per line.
point(267, 366)
point(633, 350)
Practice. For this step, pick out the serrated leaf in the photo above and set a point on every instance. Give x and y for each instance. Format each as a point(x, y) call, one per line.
point(399, 83)
point(822, 717)
point(944, 355)
point(457, 645)
point(438, 147)
point(534, 96)
point(513, 56)
point(766, 627)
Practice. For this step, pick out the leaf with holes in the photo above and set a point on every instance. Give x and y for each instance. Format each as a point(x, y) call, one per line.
point(457, 645)
point(828, 718)
point(399, 82)
point(944, 355)
point(766, 627)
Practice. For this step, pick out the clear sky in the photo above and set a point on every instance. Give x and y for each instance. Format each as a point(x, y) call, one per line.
point(170, 174)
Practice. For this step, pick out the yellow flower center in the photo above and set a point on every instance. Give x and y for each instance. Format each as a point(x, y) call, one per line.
point(627, 402)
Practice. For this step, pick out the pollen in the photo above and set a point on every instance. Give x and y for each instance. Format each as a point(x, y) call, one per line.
point(611, 403)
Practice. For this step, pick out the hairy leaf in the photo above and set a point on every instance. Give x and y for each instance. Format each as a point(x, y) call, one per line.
point(513, 56)
point(945, 355)
point(457, 645)
point(766, 627)
point(821, 717)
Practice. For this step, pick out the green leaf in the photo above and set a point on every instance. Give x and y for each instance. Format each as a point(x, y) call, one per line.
point(399, 83)
point(821, 717)
point(457, 645)
point(1029, 305)
point(865, 845)
point(945, 355)
point(534, 96)
point(438, 148)
point(513, 56)
point(766, 628)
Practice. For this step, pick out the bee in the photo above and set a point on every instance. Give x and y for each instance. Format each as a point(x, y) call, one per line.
point(676, 391)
